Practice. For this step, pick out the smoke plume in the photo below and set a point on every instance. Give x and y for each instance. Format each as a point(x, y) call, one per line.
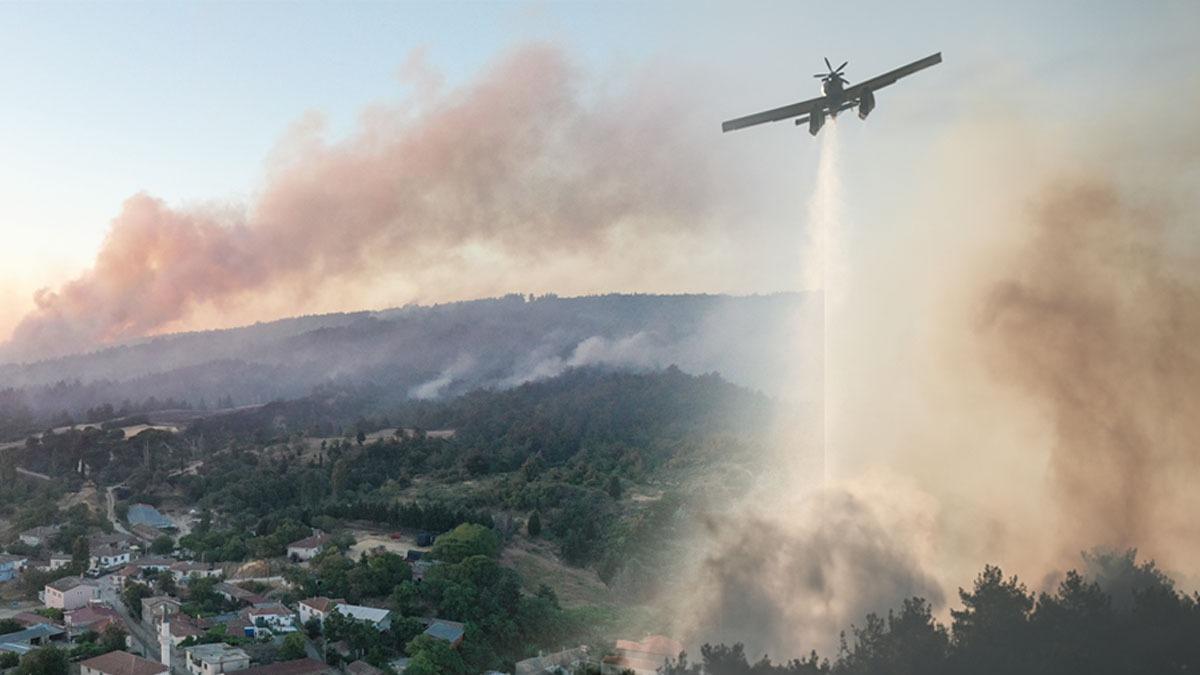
point(525, 164)
point(1098, 320)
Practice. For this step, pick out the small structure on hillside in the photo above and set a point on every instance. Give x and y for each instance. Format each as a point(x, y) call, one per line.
point(309, 547)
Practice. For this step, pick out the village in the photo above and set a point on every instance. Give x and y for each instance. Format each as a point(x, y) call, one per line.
point(130, 602)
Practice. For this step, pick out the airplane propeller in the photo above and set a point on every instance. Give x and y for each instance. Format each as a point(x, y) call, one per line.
point(833, 72)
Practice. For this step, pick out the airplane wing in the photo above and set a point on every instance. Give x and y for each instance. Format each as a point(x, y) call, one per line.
point(793, 110)
point(881, 81)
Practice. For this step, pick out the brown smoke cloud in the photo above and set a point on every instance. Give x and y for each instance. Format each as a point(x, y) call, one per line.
point(1097, 319)
point(522, 166)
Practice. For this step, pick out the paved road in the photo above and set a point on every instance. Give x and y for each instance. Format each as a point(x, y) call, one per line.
point(111, 499)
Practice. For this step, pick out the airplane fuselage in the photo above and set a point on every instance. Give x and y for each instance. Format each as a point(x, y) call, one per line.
point(832, 90)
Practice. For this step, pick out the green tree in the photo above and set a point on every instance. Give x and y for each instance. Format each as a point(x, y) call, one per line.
point(133, 595)
point(293, 647)
point(338, 477)
point(9, 660)
point(80, 555)
point(614, 488)
point(165, 582)
point(112, 639)
point(162, 545)
point(44, 661)
point(433, 656)
point(992, 632)
point(465, 541)
point(534, 526)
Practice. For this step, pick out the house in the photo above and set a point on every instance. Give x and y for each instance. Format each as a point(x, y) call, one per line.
point(154, 564)
point(69, 593)
point(188, 569)
point(413, 555)
point(450, 631)
point(156, 607)
point(59, 561)
point(11, 566)
point(565, 661)
point(643, 658)
point(214, 659)
point(381, 619)
point(38, 536)
point(399, 664)
point(121, 663)
point(296, 667)
point(309, 547)
point(109, 555)
point(28, 619)
point(182, 627)
point(25, 640)
point(123, 575)
point(274, 617)
point(93, 617)
point(234, 593)
point(362, 668)
point(318, 608)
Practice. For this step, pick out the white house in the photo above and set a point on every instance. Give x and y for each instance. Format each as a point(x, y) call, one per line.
point(110, 555)
point(69, 593)
point(309, 547)
point(214, 659)
point(273, 616)
point(318, 608)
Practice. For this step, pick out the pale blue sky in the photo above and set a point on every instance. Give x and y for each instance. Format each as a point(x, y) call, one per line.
point(185, 99)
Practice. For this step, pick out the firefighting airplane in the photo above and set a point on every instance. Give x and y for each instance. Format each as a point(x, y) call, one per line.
point(835, 97)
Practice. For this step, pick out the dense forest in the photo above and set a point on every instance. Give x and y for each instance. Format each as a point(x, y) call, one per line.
point(1120, 617)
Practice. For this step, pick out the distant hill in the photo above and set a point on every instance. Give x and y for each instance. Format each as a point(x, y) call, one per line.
point(423, 352)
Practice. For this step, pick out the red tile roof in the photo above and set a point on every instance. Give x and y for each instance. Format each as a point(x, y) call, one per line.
point(124, 663)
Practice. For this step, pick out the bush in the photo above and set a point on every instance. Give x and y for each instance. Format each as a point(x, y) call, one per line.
point(465, 541)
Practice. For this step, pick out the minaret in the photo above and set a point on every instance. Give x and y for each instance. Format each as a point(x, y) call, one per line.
point(164, 637)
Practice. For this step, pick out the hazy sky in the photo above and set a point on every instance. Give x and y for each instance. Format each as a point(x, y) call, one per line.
point(185, 101)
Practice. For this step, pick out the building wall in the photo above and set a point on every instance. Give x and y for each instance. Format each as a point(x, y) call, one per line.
point(73, 599)
point(307, 613)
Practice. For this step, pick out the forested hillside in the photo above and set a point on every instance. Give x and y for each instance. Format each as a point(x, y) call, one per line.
point(414, 352)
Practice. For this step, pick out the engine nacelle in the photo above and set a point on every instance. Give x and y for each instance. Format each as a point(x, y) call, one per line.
point(866, 103)
point(815, 121)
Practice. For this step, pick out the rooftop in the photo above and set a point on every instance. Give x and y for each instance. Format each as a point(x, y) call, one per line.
point(36, 632)
point(217, 652)
point(124, 663)
point(322, 603)
point(315, 541)
point(360, 613)
point(144, 514)
point(362, 668)
point(296, 667)
point(450, 631)
point(67, 583)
